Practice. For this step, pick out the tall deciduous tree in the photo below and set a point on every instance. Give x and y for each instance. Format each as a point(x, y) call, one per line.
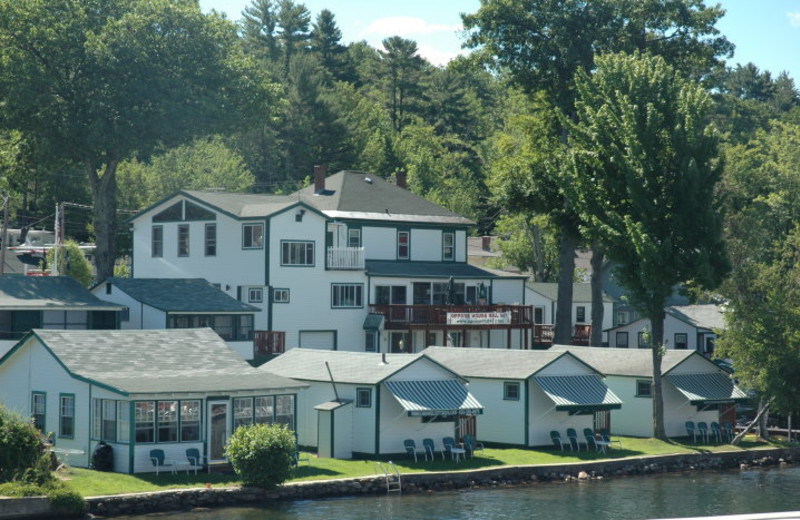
point(644, 177)
point(100, 80)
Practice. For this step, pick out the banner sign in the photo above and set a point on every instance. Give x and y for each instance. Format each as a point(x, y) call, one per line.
point(479, 318)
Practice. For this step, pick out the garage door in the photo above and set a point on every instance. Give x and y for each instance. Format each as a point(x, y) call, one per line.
point(321, 339)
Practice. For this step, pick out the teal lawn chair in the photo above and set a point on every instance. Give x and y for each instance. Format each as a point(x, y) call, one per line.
point(702, 429)
point(715, 432)
point(574, 442)
point(411, 448)
point(606, 436)
point(449, 443)
point(471, 445)
point(591, 441)
point(691, 431)
point(727, 428)
point(159, 461)
point(555, 436)
point(430, 449)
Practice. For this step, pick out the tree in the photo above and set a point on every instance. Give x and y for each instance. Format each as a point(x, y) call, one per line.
point(96, 82)
point(325, 43)
point(262, 454)
point(20, 445)
point(72, 262)
point(645, 170)
point(258, 30)
point(293, 20)
point(400, 68)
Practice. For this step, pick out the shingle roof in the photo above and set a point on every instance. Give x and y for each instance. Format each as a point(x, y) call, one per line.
point(581, 292)
point(426, 269)
point(623, 361)
point(48, 292)
point(362, 195)
point(493, 363)
point(243, 205)
point(180, 295)
point(158, 361)
point(347, 367)
point(707, 316)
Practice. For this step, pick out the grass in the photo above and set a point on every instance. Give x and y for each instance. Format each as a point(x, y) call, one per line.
point(91, 483)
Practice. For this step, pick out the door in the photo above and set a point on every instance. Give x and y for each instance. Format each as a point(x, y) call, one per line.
point(218, 429)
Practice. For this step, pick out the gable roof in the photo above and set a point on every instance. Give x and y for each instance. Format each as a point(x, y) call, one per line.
point(626, 361)
point(49, 293)
point(581, 292)
point(155, 361)
point(346, 367)
point(180, 295)
point(493, 363)
point(365, 196)
point(707, 316)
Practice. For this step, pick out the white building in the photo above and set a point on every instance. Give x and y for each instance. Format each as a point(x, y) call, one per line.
point(543, 297)
point(351, 263)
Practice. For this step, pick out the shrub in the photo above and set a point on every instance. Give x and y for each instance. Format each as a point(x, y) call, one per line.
point(66, 502)
point(21, 449)
point(262, 454)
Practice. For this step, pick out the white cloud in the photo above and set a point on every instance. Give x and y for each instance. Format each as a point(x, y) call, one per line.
point(436, 56)
point(406, 26)
point(794, 19)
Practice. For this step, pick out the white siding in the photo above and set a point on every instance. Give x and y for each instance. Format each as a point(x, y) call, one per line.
point(502, 421)
point(323, 340)
point(544, 418)
point(426, 245)
point(535, 299)
point(396, 426)
point(135, 319)
point(380, 243)
point(510, 292)
point(461, 246)
point(636, 415)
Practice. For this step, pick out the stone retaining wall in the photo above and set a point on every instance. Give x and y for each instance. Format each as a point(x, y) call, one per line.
point(177, 500)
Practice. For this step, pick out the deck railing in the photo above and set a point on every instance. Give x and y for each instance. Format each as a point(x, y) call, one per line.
point(266, 342)
point(544, 334)
point(346, 258)
point(481, 316)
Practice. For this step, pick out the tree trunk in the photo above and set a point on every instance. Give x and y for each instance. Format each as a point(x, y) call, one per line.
point(763, 427)
point(535, 234)
point(563, 329)
point(656, 341)
point(104, 193)
point(763, 408)
point(596, 339)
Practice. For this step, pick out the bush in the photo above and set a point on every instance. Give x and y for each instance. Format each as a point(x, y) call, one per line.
point(65, 502)
point(21, 449)
point(262, 454)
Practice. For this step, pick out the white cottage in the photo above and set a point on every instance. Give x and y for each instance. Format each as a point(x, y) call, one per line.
point(543, 297)
point(694, 388)
point(366, 404)
point(140, 390)
point(527, 394)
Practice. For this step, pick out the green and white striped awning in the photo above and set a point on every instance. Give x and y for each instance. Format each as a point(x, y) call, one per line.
point(432, 398)
point(709, 388)
point(578, 393)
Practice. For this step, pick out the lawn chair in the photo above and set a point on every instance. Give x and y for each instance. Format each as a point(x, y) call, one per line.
point(196, 461)
point(702, 429)
point(430, 449)
point(691, 431)
point(411, 448)
point(572, 435)
point(449, 443)
point(591, 441)
point(556, 438)
point(727, 428)
point(471, 445)
point(716, 432)
point(606, 436)
point(159, 461)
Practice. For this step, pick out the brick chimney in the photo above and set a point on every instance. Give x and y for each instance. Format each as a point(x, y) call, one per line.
point(319, 179)
point(400, 178)
point(486, 243)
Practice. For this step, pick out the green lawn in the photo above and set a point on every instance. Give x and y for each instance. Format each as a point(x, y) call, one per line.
point(91, 483)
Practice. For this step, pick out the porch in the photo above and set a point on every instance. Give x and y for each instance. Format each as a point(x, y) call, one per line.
point(400, 317)
point(544, 334)
point(345, 258)
point(268, 342)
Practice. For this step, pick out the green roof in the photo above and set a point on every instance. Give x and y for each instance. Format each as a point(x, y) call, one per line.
point(171, 361)
point(49, 293)
point(581, 292)
point(373, 321)
point(578, 392)
point(707, 388)
point(426, 270)
point(431, 398)
point(180, 295)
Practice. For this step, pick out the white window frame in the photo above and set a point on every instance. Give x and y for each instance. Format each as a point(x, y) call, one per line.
point(293, 257)
point(448, 250)
point(280, 295)
point(255, 295)
point(340, 293)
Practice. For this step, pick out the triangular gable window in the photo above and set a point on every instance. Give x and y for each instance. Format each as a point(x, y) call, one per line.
point(171, 214)
point(195, 212)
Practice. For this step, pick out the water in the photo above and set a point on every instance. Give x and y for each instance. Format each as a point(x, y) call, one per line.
point(630, 498)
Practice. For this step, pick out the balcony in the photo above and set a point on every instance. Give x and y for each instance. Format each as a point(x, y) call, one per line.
point(545, 334)
point(345, 258)
point(454, 316)
point(268, 342)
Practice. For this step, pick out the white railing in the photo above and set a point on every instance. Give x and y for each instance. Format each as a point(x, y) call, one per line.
point(350, 258)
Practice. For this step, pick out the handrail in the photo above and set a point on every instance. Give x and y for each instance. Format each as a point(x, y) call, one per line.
point(392, 475)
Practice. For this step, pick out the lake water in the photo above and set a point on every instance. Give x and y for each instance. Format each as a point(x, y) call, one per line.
point(629, 498)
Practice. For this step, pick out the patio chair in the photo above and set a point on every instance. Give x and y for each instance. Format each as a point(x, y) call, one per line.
point(411, 448)
point(691, 431)
point(572, 436)
point(702, 429)
point(727, 429)
point(471, 445)
point(196, 460)
point(449, 443)
point(716, 432)
point(556, 438)
point(430, 448)
point(160, 461)
point(591, 441)
point(606, 436)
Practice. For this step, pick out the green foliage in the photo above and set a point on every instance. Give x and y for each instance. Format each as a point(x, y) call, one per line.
point(20, 447)
point(66, 502)
point(72, 262)
point(529, 244)
point(262, 454)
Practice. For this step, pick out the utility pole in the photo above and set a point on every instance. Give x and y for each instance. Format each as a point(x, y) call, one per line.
point(59, 230)
point(4, 245)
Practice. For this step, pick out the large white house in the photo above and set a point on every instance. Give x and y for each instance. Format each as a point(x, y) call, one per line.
point(351, 263)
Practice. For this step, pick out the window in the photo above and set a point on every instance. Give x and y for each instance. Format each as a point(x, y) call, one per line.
point(643, 388)
point(211, 240)
point(242, 411)
point(297, 253)
point(363, 398)
point(580, 314)
point(347, 295)
point(183, 240)
point(622, 317)
point(538, 315)
point(195, 212)
point(66, 420)
point(370, 341)
point(190, 421)
point(265, 410)
point(123, 422)
point(110, 420)
point(39, 410)
point(681, 340)
point(284, 410)
point(455, 339)
point(402, 245)
point(511, 391)
point(622, 340)
point(145, 417)
point(171, 214)
point(157, 242)
point(231, 327)
point(280, 295)
point(354, 238)
point(255, 295)
point(642, 340)
point(253, 236)
point(448, 246)
point(390, 294)
point(167, 421)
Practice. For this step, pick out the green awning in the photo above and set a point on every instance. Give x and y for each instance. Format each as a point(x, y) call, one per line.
point(431, 398)
point(373, 322)
point(709, 388)
point(579, 393)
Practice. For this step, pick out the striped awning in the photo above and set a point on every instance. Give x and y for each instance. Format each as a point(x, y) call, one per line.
point(709, 388)
point(431, 398)
point(578, 393)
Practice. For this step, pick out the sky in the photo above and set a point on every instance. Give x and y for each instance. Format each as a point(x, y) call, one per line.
point(765, 32)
